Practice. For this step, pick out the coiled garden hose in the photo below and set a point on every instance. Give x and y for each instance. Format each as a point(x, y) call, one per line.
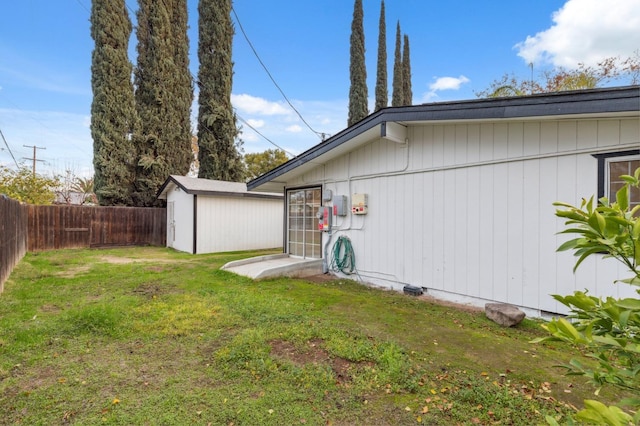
point(343, 259)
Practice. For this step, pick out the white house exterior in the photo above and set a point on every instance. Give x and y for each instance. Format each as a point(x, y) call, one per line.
point(209, 216)
point(459, 194)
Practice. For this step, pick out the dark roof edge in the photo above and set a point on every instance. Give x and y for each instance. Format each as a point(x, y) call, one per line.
point(166, 183)
point(171, 179)
point(236, 194)
point(618, 99)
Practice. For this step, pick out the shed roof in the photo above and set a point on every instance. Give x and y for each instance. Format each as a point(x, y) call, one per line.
point(198, 186)
point(391, 123)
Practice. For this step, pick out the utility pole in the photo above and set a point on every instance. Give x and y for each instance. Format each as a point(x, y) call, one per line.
point(34, 156)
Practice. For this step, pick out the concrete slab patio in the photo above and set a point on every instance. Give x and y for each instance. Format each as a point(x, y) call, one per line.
point(274, 265)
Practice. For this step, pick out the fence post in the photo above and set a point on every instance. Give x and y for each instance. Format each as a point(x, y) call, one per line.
point(13, 236)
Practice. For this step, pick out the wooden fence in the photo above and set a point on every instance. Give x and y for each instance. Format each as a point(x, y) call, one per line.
point(13, 236)
point(58, 227)
point(37, 228)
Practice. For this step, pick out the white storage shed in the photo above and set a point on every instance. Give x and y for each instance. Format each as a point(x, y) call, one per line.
point(456, 197)
point(209, 216)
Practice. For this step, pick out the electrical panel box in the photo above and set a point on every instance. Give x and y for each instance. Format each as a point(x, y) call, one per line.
point(359, 203)
point(327, 194)
point(339, 205)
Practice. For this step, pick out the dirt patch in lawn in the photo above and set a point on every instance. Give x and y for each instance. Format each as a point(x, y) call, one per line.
point(122, 260)
point(459, 306)
point(151, 290)
point(50, 308)
point(74, 271)
point(321, 278)
point(313, 353)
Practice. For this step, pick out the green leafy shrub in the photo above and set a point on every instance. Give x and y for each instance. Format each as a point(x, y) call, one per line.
point(26, 186)
point(607, 329)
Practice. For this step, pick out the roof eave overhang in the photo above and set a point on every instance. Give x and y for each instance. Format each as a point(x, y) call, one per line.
point(167, 186)
point(597, 103)
point(171, 184)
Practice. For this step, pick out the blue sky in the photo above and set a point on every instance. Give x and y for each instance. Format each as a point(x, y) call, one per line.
point(457, 49)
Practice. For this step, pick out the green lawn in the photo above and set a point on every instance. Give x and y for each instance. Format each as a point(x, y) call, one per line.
point(152, 336)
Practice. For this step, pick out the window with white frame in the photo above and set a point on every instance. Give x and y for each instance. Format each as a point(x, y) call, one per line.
point(616, 167)
point(611, 165)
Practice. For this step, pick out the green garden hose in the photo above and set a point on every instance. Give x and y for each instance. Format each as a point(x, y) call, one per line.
point(344, 260)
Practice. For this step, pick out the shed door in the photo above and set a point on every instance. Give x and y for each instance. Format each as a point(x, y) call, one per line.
point(171, 224)
point(303, 237)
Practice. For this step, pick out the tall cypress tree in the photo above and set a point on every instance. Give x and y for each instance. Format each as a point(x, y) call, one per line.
point(180, 162)
point(217, 152)
point(397, 99)
point(358, 108)
point(406, 73)
point(163, 96)
point(113, 114)
point(382, 93)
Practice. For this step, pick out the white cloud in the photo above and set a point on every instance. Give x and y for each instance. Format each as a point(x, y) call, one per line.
point(443, 83)
point(586, 31)
point(249, 136)
point(294, 129)
point(255, 123)
point(289, 132)
point(253, 105)
point(448, 83)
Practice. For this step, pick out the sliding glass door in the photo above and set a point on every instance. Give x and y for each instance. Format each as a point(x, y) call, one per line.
point(303, 237)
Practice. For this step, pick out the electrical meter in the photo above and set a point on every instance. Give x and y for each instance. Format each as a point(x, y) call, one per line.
point(324, 219)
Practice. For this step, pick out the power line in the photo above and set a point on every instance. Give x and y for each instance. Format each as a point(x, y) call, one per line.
point(10, 152)
point(266, 138)
point(129, 7)
point(83, 6)
point(319, 134)
point(42, 123)
point(322, 135)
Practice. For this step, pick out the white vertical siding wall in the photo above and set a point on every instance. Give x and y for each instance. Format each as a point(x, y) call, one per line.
point(183, 216)
point(238, 223)
point(466, 211)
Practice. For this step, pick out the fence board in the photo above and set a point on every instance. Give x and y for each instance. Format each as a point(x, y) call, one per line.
point(58, 227)
point(13, 236)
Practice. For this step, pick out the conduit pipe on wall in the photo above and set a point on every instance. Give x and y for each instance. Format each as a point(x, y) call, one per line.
point(391, 132)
